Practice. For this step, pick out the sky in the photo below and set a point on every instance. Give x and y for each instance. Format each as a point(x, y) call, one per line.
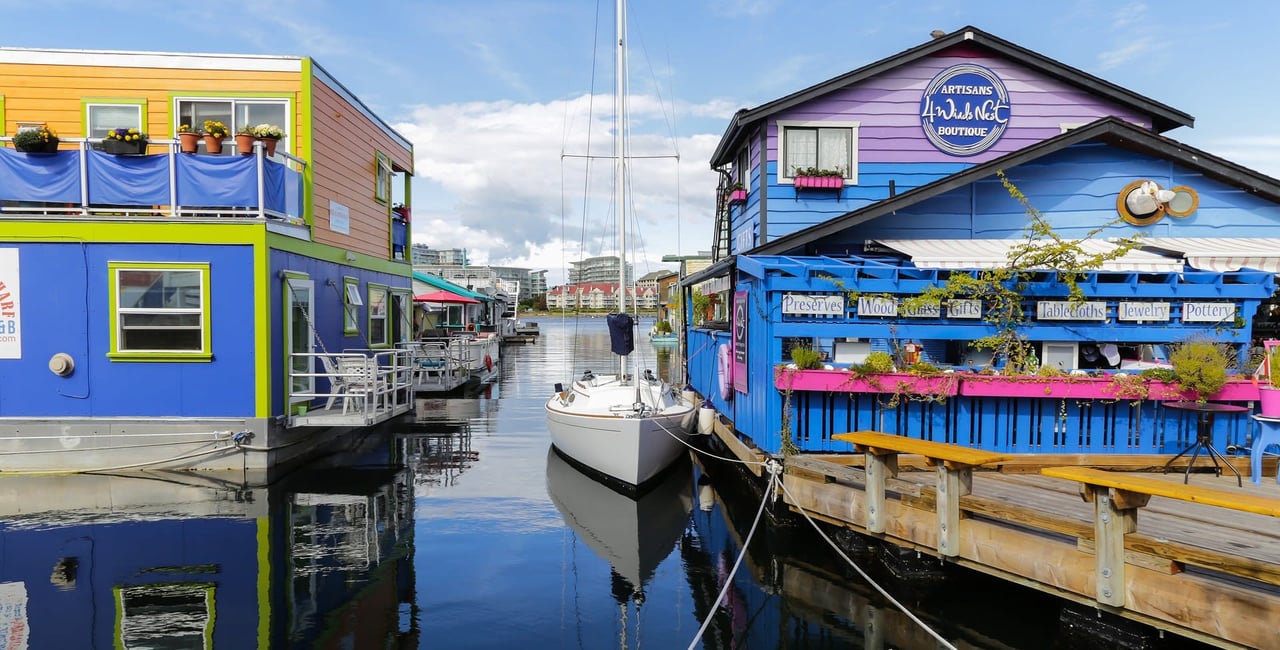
point(505, 99)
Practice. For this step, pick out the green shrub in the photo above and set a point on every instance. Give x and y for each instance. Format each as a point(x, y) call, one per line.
point(806, 358)
point(1201, 367)
point(878, 363)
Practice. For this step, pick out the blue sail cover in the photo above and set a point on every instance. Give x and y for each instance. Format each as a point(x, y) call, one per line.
point(622, 338)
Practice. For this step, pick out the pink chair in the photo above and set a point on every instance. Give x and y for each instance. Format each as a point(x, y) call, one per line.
point(1268, 434)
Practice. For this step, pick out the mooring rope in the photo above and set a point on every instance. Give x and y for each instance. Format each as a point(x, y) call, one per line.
point(728, 581)
point(862, 573)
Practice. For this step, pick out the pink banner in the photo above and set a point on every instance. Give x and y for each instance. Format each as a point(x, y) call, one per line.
point(740, 341)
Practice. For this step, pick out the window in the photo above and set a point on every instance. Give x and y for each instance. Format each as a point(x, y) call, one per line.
point(101, 116)
point(742, 168)
point(160, 311)
point(351, 305)
point(382, 178)
point(235, 113)
point(824, 145)
point(377, 316)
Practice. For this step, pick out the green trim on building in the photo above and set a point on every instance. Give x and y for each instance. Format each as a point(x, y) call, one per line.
point(140, 102)
point(205, 354)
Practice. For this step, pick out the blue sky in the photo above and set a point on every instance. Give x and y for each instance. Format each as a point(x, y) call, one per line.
point(492, 93)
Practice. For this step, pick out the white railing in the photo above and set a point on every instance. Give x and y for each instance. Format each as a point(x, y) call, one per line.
point(434, 363)
point(369, 383)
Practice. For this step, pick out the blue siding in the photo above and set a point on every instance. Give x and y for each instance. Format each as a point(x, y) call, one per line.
point(64, 309)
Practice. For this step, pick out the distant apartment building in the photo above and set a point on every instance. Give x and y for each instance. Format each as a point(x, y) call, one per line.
point(597, 269)
point(599, 295)
point(489, 279)
point(424, 255)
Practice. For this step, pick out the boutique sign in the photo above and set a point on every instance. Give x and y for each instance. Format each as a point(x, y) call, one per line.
point(964, 109)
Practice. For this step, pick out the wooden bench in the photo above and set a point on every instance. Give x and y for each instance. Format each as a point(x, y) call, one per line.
point(955, 477)
point(1116, 498)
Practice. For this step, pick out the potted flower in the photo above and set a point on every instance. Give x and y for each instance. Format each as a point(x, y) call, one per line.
point(188, 140)
point(1269, 390)
point(814, 177)
point(245, 137)
point(125, 141)
point(270, 135)
point(214, 133)
point(41, 139)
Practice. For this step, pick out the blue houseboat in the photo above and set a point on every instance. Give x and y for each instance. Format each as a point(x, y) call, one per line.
point(864, 191)
point(171, 302)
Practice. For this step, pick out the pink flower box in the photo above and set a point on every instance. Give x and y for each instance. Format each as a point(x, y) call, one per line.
point(819, 182)
point(842, 381)
point(738, 196)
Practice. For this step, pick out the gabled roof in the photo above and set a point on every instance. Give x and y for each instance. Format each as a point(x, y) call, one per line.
point(1110, 130)
point(1163, 117)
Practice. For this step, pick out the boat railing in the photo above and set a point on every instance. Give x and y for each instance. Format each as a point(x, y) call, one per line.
point(78, 181)
point(433, 362)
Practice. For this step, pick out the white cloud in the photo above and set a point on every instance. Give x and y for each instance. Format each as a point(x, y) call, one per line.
point(500, 179)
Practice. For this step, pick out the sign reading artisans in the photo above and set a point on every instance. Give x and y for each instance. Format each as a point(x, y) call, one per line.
point(10, 306)
point(964, 109)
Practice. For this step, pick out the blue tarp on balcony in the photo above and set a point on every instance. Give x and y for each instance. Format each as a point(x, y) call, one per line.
point(202, 180)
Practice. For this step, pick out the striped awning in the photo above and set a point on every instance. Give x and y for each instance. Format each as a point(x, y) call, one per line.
point(1221, 254)
point(992, 253)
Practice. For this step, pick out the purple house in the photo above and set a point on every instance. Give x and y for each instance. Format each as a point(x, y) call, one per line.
point(866, 189)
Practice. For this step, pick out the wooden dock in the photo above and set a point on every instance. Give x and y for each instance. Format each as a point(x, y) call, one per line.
point(1201, 560)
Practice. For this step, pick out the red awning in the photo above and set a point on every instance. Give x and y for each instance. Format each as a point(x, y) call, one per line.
point(444, 296)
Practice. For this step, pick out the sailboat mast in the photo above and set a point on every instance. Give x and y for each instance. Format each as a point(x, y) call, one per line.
point(620, 163)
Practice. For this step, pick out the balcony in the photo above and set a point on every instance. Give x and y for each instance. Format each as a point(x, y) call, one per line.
point(83, 182)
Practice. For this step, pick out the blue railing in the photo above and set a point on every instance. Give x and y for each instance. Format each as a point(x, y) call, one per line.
point(83, 182)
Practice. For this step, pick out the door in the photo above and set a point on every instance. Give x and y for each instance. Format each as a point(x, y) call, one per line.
point(299, 339)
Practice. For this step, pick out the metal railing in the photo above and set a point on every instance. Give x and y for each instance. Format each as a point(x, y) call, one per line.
point(170, 148)
point(376, 382)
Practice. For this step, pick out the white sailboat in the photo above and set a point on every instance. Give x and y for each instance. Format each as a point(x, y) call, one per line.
point(625, 426)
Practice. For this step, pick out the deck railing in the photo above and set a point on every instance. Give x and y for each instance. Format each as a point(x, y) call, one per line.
point(79, 181)
point(370, 383)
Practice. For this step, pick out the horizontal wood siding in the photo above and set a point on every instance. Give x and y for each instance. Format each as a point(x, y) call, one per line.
point(346, 142)
point(53, 93)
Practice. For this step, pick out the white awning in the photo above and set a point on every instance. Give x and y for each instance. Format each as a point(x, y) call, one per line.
point(1222, 254)
point(992, 253)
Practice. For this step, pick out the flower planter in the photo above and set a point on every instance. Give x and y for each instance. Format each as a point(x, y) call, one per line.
point(1269, 401)
point(270, 145)
point(819, 182)
point(737, 196)
point(188, 142)
point(124, 148)
point(44, 147)
point(841, 381)
point(244, 144)
point(213, 144)
point(1037, 386)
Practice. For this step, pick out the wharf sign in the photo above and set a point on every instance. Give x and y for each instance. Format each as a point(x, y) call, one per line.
point(821, 305)
point(1062, 310)
point(10, 306)
point(964, 109)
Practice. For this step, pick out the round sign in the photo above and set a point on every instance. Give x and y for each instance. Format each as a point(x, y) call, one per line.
point(964, 109)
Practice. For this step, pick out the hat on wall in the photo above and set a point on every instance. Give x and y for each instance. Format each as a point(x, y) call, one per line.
point(1111, 353)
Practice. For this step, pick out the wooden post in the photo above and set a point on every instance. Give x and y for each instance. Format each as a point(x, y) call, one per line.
point(1115, 513)
point(953, 483)
point(879, 470)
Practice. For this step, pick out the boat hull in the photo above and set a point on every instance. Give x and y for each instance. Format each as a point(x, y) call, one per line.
point(629, 448)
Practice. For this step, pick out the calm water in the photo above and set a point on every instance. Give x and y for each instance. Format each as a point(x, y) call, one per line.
point(456, 529)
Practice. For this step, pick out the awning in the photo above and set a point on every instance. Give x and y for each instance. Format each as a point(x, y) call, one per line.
point(992, 253)
point(1222, 254)
point(444, 296)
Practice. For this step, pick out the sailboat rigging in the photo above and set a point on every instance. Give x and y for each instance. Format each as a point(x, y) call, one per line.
point(625, 427)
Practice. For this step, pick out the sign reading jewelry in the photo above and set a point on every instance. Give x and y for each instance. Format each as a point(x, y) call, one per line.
point(964, 109)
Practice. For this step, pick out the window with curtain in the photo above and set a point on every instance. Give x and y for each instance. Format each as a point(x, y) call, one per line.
point(826, 147)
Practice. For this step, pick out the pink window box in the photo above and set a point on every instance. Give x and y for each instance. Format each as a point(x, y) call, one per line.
point(819, 182)
point(842, 381)
point(737, 196)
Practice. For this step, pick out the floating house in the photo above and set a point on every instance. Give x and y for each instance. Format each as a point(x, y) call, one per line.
point(205, 309)
point(841, 202)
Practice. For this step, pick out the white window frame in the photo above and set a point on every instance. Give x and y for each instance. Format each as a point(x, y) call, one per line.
point(119, 312)
point(90, 132)
point(351, 303)
point(785, 176)
point(232, 125)
point(376, 316)
point(382, 177)
point(742, 167)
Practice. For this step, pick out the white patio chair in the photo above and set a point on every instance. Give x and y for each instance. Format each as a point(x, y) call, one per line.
point(360, 377)
point(337, 382)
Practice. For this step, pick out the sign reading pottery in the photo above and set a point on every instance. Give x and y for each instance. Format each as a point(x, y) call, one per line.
point(964, 109)
point(964, 308)
point(801, 305)
point(877, 307)
point(1062, 310)
point(1208, 312)
point(1143, 312)
point(10, 306)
